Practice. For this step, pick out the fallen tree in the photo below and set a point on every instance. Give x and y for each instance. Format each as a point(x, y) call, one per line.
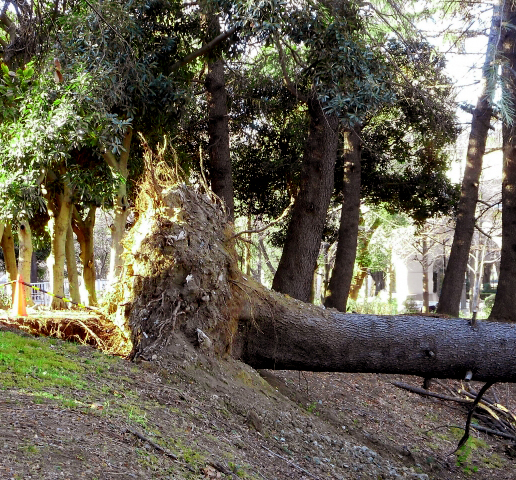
point(181, 285)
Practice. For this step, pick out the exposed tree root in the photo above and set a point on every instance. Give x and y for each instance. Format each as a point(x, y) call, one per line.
point(87, 329)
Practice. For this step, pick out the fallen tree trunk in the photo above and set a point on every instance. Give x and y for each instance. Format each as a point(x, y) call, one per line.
point(180, 286)
point(297, 337)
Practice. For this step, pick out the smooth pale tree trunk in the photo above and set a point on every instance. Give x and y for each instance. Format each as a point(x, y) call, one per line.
point(425, 265)
point(299, 257)
point(340, 281)
point(83, 229)
point(25, 257)
point(360, 276)
point(121, 211)
point(449, 301)
point(60, 210)
point(220, 172)
point(503, 308)
point(7, 243)
point(71, 267)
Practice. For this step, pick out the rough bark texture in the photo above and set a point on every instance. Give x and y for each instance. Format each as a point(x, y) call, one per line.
point(300, 337)
point(503, 308)
point(25, 257)
point(121, 210)
point(340, 281)
point(296, 267)
point(180, 290)
point(220, 172)
point(9, 254)
point(449, 301)
point(71, 267)
point(83, 229)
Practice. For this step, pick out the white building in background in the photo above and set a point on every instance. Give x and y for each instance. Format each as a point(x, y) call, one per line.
point(409, 281)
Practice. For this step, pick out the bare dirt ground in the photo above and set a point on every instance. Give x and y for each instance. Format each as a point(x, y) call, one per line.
point(194, 416)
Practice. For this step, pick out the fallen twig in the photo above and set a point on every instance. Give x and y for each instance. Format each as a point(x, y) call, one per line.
point(465, 437)
point(159, 448)
point(291, 463)
point(422, 391)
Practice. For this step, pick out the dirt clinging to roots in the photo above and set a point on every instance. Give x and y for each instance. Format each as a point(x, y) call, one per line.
point(178, 261)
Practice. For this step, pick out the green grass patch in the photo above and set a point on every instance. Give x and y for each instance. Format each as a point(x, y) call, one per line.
point(32, 363)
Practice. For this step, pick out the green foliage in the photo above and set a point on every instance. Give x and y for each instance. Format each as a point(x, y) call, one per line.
point(410, 306)
point(404, 159)
point(376, 306)
point(488, 305)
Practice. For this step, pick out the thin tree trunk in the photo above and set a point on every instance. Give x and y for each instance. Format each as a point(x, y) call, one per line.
point(71, 267)
point(340, 281)
point(25, 257)
point(119, 168)
point(362, 272)
point(34, 268)
point(220, 172)
point(60, 210)
point(263, 249)
point(449, 301)
point(299, 256)
point(83, 229)
point(503, 308)
point(9, 254)
point(424, 264)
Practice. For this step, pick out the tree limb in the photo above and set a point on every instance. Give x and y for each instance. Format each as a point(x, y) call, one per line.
point(283, 64)
point(465, 438)
point(203, 50)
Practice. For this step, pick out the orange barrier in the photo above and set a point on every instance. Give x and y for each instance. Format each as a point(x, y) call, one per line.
point(19, 306)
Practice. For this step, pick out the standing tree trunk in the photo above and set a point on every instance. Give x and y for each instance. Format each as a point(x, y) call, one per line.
point(9, 254)
point(220, 173)
point(449, 301)
point(71, 267)
point(120, 169)
point(299, 257)
point(342, 275)
point(362, 269)
point(60, 210)
point(503, 308)
point(25, 257)
point(424, 264)
point(83, 229)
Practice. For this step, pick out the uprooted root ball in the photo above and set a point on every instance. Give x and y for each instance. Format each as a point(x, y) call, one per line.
point(177, 270)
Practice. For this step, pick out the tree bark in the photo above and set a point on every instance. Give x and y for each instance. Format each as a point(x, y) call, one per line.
point(220, 172)
point(9, 254)
point(503, 308)
point(300, 337)
point(121, 211)
point(60, 209)
point(180, 287)
point(25, 257)
point(362, 272)
point(449, 301)
point(425, 266)
point(71, 267)
point(299, 257)
point(83, 229)
point(340, 281)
